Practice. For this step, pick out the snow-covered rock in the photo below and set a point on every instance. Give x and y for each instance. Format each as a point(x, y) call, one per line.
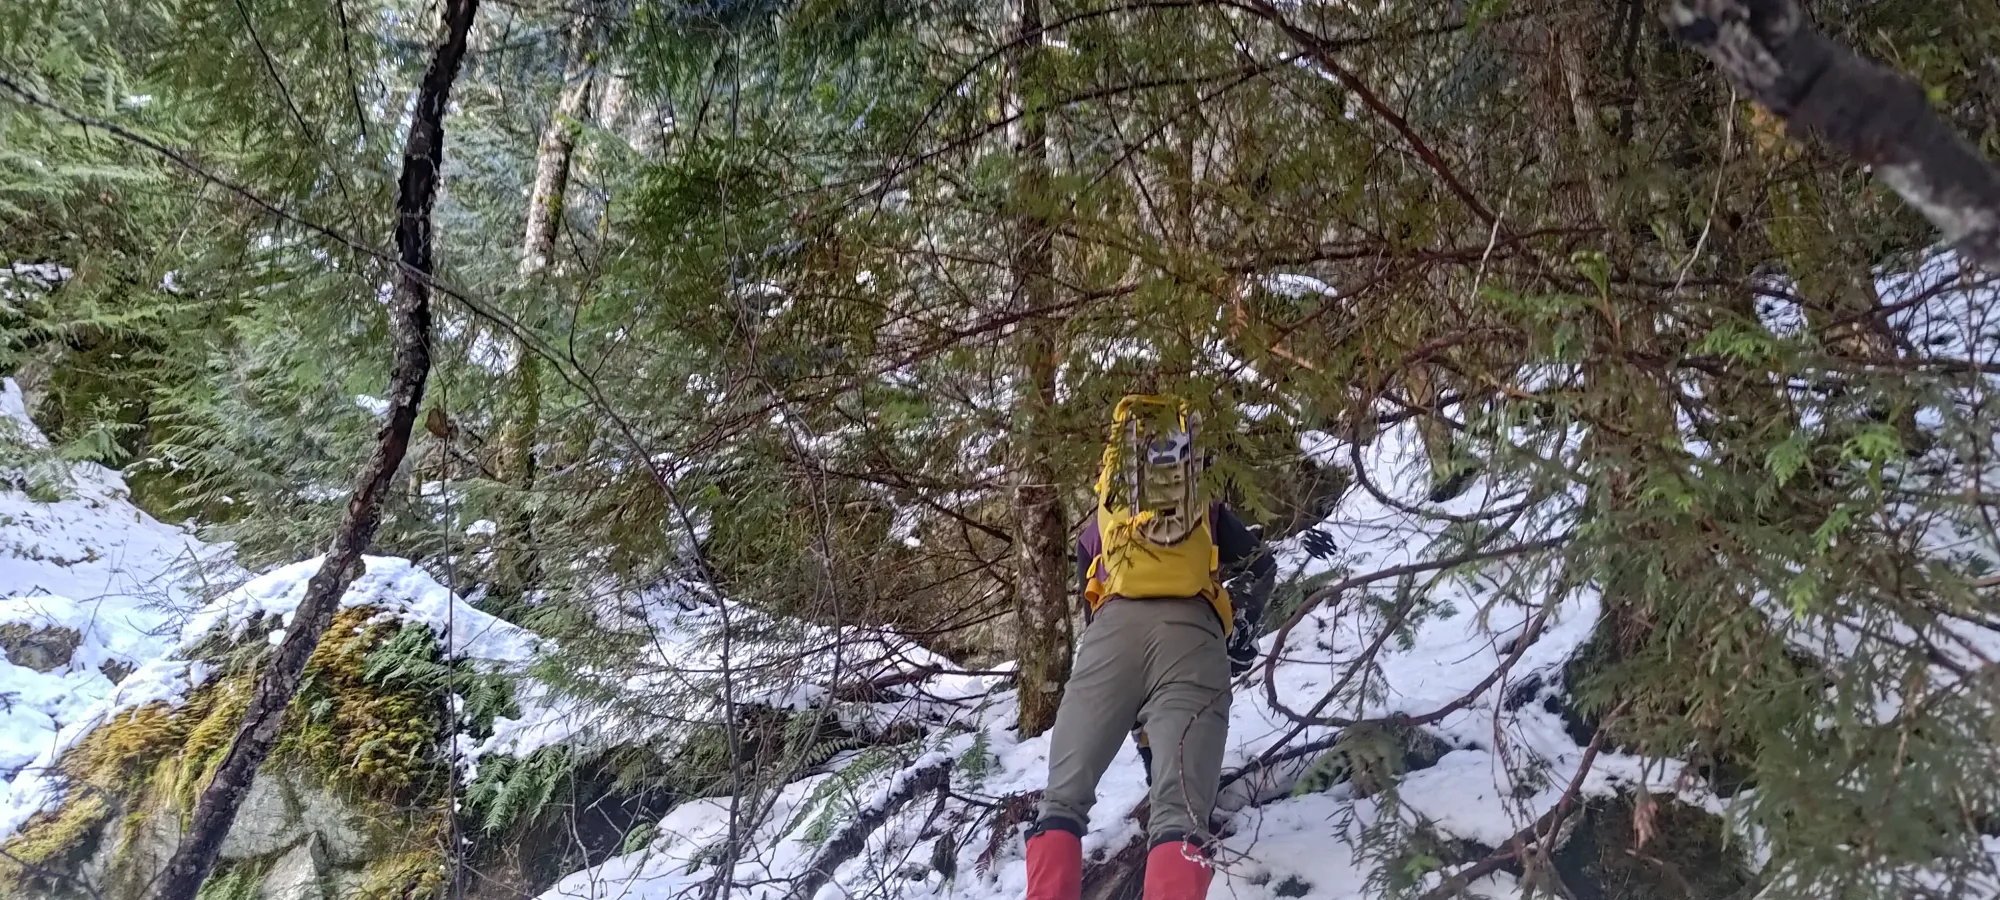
point(84, 572)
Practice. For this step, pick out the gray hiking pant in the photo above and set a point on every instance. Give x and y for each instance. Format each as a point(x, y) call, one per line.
point(1162, 663)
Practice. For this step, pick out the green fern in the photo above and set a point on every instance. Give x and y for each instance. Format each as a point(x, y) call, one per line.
point(509, 790)
point(833, 798)
point(639, 838)
point(410, 657)
point(978, 761)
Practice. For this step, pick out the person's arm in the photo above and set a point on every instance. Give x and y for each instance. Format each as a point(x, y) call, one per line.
point(1250, 573)
point(1086, 543)
point(1240, 549)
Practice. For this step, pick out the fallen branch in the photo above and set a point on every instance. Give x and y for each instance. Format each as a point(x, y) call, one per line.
point(1525, 840)
point(931, 774)
point(1275, 755)
point(1872, 114)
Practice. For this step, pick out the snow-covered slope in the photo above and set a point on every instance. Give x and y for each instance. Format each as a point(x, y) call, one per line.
point(78, 559)
point(1479, 664)
point(76, 555)
point(1508, 756)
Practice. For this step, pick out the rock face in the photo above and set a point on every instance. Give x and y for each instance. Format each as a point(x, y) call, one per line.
point(355, 793)
point(41, 649)
point(282, 811)
point(296, 837)
point(302, 873)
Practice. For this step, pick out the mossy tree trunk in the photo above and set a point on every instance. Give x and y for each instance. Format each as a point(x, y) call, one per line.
point(518, 566)
point(1041, 590)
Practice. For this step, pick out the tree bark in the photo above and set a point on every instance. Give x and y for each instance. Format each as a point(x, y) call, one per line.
point(410, 322)
point(517, 563)
point(1041, 543)
point(1873, 115)
point(545, 200)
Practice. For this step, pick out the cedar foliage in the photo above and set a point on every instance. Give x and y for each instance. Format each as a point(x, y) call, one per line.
point(1721, 361)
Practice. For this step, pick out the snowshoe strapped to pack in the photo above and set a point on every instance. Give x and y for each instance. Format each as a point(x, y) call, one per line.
point(1156, 540)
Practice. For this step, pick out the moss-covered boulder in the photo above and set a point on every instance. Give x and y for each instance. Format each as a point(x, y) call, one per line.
point(354, 801)
point(364, 796)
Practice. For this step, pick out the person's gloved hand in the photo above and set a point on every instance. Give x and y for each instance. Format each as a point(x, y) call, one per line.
point(1249, 592)
point(1242, 645)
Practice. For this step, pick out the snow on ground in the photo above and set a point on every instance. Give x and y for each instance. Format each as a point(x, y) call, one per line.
point(781, 663)
point(76, 554)
point(1277, 843)
point(396, 586)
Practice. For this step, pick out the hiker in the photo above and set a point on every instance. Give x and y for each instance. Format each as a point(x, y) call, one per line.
point(1248, 577)
point(1163, 639)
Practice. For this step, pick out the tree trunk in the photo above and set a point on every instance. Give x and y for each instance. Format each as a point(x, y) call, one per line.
point(1873, 115)
point(552, 157)
point(410, 322)
point(518, 567)
point(1041, 543)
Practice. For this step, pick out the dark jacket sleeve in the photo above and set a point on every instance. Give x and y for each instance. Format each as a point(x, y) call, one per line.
point(1086, 550)
point(1250, 573)
point(1240, 551)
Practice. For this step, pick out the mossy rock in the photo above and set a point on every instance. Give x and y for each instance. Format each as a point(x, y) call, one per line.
point(354, 802)
point(358, 746)
point(1371, 758)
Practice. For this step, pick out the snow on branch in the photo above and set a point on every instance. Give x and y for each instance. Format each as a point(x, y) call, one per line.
point(1874, 115)
point(931, 773)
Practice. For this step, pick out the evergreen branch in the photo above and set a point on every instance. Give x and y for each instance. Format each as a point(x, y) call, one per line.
point(347, 61)
point(853, 837)
point(1536, 835)
point(310, 133)
point(199, 171)
point(1321, 49)
point(1873, 114)
point(410, 325)
point(565, 364)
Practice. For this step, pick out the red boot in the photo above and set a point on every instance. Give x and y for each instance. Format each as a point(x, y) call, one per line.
point(1177, 871)
point(1055, 866)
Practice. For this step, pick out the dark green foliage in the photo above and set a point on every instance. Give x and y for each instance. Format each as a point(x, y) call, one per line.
point(782, 284)
point(1686, 854)
point(410, 659)
point(509, 790)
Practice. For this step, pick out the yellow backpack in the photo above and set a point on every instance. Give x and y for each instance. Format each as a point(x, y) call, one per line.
point(1155, 539)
